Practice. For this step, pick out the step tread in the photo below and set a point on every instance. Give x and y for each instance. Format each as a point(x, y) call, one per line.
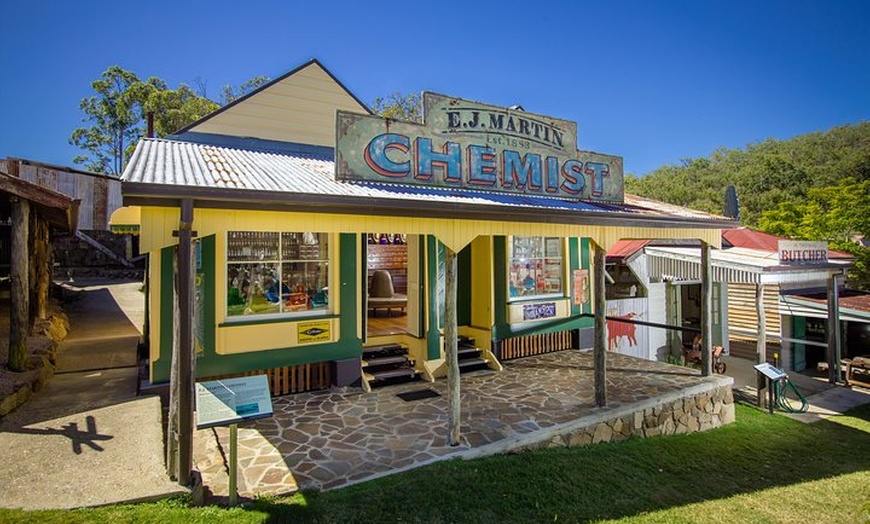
point(391, 373)
point(383, 361)
point(471, 362)
point(464, 352)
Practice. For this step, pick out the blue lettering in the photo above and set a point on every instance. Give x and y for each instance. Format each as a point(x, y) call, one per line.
point(523, 172)
point(572, 172)
point(481, 166)
point(448, 159)
point(598, 171)
point(377, 159)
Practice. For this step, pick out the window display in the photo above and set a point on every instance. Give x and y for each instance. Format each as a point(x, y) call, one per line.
point(269, 272)
point(534, 266)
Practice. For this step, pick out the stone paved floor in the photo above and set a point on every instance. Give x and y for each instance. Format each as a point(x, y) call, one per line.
point(327, 439)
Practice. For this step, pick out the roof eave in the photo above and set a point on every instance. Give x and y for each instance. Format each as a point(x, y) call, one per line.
point(149, 194)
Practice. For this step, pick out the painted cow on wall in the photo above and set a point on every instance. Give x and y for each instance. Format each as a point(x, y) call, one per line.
point(617, 329)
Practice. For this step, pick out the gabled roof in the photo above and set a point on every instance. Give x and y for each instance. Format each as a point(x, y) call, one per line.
point(297, 107)
point(168, 170)
point(751, 239)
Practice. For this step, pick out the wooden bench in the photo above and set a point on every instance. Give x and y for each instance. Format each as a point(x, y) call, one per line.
point(858, 372)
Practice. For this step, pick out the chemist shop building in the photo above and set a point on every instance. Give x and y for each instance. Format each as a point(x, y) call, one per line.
point(320, 235)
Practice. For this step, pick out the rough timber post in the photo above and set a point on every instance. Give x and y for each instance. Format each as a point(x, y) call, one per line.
point(761, 336)
point(600, 348)
point(450, 348)
point(19, 312)
point(706, 311)
point(833, 328)
point(185, 347)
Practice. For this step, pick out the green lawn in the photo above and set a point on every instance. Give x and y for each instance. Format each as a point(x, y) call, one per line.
point(762, 468)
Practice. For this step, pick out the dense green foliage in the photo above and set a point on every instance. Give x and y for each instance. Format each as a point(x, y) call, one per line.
point(762, 468)
point(812, 187)
point(399, 106)
point(115, 116)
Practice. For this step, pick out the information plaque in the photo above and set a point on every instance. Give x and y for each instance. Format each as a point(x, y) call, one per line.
point(770, 372)
point(224, 402)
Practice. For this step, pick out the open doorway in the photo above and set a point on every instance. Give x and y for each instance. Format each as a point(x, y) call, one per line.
point(391, 269)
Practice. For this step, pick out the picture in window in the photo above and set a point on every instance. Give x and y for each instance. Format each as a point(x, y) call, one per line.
point(534, 266)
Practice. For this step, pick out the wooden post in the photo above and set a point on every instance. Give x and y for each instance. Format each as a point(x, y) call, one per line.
point(833, 329)
point(706, 311)
point(183, 358)
point(19, 313)
point(450, 349)
point(761, 343)
point(599, 350)
point(42, 261)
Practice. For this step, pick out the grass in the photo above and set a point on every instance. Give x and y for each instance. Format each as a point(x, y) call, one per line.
point(762, 468)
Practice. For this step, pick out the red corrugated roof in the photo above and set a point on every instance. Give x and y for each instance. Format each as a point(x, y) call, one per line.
point(625, 248)
point(752, 239)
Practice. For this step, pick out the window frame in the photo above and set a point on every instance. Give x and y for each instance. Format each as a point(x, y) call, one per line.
point(279, 262)
point(546, 241)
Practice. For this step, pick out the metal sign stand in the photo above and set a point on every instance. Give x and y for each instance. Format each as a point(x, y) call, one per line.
point(234, 463)
point(771, 374)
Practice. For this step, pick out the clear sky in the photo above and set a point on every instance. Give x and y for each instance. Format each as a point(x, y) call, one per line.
point(652, 81)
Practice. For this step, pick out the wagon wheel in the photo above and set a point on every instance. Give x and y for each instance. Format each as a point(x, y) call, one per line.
point(719, 368)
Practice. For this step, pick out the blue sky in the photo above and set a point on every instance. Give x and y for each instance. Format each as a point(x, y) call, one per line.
point(653, 82)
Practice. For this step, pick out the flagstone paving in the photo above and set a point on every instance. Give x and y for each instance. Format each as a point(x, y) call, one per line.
point(324, 440)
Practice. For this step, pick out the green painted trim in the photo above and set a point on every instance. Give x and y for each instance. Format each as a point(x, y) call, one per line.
point(347, 345)
point(433, 334)
point(573, 264)
point(349, 282)
point(502, 329)
point(208, 246)
point(255, 322)
point(585, 263)
point(364, 282)
point(463, 286)
point(160, 369)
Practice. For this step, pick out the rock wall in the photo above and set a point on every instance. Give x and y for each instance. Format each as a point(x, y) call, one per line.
point(697, 411)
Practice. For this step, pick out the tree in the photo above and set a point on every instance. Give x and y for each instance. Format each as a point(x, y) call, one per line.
point(838, 214)
point(398, 106)
point(231, 94)
point(116, 115)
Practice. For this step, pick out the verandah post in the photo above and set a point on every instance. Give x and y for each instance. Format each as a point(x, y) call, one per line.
point(600, 348)
point(450, 348)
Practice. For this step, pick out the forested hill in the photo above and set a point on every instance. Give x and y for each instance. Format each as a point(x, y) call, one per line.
point(812, 187)
point(765, 174)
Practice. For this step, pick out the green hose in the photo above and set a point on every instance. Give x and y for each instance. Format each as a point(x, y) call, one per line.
point(784, 403)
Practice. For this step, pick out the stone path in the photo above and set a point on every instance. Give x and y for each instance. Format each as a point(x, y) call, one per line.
point(326, 440)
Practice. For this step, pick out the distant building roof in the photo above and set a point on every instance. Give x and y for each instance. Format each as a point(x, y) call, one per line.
point(752, 239)
point(624, 249)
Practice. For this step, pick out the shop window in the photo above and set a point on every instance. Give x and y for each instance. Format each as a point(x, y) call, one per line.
point(535, 267)
point(277, 273)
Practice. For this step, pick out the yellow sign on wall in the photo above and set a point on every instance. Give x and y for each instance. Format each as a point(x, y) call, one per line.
point(315, 331)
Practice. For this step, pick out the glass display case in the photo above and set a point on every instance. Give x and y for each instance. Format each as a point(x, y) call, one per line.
point(534, 267)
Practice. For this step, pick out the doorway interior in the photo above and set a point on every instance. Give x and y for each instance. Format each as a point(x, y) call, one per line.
point(391, 270)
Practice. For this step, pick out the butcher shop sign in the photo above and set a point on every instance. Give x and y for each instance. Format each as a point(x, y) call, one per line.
point(803, 252)
point(474, 146)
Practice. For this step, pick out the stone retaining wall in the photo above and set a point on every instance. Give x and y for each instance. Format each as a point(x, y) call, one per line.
point(698, 408)
point(43, 345)
point(696, 412)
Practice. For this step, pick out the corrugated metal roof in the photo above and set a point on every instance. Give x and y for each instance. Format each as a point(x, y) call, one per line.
point(195, 165)
point(625, 248)
point(749, 238)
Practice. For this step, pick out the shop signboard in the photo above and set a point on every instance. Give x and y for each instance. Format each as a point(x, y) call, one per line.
point(315, 331)
point(469, 145)
point(803, 252)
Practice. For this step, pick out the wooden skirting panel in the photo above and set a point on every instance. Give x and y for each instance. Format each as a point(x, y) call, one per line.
point(534, 345)
point(292, 379)
point(746, 348)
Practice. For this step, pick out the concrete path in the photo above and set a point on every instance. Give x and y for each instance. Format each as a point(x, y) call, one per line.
point(86, 438)
point(824, 399)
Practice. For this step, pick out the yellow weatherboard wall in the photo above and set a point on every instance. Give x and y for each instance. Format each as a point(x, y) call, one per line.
point(481, 283)
point(455, 233)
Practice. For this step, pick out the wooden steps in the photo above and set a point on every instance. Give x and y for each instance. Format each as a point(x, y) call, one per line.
point(387, 364)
